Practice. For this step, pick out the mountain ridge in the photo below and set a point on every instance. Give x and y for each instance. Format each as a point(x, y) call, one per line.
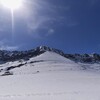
point(17, 55)
point(48, 76)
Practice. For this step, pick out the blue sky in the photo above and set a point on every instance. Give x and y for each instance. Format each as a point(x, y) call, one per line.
point(70, 25)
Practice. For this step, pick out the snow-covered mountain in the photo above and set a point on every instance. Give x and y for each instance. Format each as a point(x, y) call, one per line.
point(47, 74)
point(6, 56)
point(16, 55)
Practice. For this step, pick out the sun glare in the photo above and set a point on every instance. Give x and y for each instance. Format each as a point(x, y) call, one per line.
point(11, 4)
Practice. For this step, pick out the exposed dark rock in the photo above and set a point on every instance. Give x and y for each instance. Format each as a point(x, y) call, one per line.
point(6, 56)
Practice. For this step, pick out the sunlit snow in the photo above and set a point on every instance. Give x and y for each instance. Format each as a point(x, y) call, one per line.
point(49, 77)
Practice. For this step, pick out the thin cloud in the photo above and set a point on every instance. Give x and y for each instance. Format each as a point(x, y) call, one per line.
point(4, 46)
point(46, 18)
point(50, 32)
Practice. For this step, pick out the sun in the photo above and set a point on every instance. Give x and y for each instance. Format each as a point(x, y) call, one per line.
point(11, 4)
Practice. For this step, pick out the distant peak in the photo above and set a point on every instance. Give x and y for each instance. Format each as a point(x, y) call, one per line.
point(46, 48)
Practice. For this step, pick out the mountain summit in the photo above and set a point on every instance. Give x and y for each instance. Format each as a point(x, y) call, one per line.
point(45, 73)
point(16, 55)
point(6, 56)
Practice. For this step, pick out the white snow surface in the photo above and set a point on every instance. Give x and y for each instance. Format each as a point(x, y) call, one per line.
point(50, 77)
point(51, 56)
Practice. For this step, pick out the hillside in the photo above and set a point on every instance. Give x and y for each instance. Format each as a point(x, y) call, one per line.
point(49, 76)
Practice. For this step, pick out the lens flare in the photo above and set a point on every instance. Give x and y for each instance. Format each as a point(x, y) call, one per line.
point(11, 4)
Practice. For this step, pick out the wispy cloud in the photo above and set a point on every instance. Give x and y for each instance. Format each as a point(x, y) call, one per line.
point(50, 32)
point(48, 15)
point(5, 21)
point(39, 18)
point(5, 46)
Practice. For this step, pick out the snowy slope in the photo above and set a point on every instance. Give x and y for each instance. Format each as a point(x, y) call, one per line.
point(46, 62)
point(51, 56)
point(49, 76)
